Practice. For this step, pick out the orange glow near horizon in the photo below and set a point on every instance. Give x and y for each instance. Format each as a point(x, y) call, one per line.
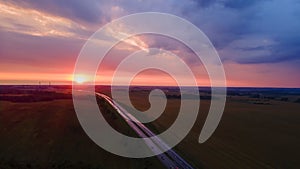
point(81, 78)
point(246, 77)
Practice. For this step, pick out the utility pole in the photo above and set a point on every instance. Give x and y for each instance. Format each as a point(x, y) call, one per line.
point(39, 85)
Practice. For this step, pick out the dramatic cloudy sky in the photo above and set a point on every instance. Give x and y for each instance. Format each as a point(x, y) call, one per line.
point(258, 40)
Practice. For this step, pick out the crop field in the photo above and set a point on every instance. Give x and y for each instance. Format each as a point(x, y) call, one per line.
point(39, 129)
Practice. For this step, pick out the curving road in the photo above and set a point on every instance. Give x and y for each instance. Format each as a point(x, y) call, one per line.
point(170, 159)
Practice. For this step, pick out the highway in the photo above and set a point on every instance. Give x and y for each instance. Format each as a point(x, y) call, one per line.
point(170, 159)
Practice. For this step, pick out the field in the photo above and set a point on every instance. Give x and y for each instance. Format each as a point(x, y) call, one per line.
point(259, 129)
point(47, 134)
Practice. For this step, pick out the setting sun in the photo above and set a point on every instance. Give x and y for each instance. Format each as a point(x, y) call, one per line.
point(80, 79)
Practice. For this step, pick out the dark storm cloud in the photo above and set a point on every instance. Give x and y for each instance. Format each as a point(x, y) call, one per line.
point(238, 4)
point(289, 49)
point(253, 22)
point(204, 3)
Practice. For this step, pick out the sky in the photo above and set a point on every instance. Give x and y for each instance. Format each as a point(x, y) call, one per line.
point(258, 41)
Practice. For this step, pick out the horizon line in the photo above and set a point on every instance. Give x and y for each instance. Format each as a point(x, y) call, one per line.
point(150, 86)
